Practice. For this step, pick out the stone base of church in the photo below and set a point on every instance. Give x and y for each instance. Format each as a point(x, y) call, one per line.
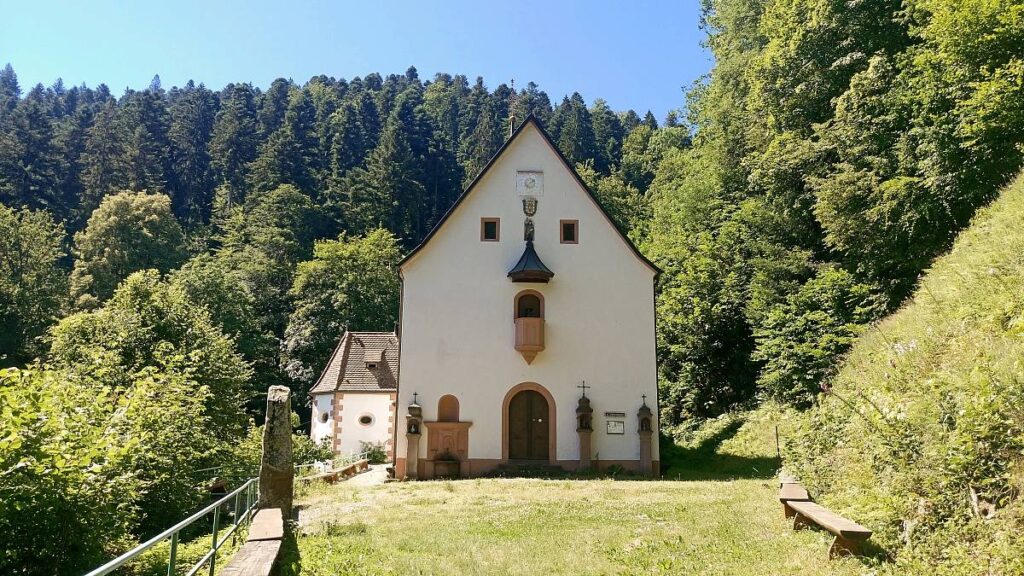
point(475, 467)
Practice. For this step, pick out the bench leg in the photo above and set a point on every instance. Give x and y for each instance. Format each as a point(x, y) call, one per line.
point(843, 547)
point(788, 510)
point(800, 522)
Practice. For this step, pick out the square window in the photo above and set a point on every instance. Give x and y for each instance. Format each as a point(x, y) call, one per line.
point(570, 231)
point(490, 229)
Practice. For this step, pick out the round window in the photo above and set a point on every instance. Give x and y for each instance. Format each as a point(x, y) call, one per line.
point(324, 416)
point(366, 419)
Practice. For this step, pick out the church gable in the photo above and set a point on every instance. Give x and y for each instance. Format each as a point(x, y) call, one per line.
point(515, 170)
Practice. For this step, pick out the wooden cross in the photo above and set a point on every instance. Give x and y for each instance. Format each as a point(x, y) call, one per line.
point(584, 387)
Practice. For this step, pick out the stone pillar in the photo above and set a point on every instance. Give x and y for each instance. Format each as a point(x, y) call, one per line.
point(584, 428)
point(277, 469)
point(413, 429)
point(412, 456)
point(645, 428)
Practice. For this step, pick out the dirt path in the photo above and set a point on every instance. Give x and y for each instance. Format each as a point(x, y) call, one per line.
point(325, 504)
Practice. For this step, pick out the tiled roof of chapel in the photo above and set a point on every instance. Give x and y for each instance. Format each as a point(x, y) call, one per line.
point(348, 370)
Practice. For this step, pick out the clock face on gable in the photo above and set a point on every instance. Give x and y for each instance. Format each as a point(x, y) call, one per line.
point(529, 183)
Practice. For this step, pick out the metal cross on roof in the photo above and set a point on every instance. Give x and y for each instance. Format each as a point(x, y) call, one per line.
point(414, 395)
point(644, 396)
point(584, 387)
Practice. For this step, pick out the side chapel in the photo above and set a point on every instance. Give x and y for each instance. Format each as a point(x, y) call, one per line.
point(527, 330)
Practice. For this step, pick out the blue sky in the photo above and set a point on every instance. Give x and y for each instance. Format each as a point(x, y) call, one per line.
point(639, 54)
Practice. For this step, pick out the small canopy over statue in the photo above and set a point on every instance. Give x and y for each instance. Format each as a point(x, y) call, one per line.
point(529, 268)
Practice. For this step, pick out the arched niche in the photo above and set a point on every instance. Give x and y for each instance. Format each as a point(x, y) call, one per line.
point(448, 409)
point(529, 304)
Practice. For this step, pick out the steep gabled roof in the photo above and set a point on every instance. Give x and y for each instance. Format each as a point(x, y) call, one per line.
point(348, 370)
point(531, 119)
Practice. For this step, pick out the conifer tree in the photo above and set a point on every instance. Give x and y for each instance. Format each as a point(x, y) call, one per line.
point(650, 121)
point(234, 142)
point(608, 135)
point(10, 92)
point(148, 146)
point(192, 117)
point(104, 161)
point(532, 100)
point(287, 156)
point(629, 120)
point(575, 130)
point(272, 106)
point(30, 165)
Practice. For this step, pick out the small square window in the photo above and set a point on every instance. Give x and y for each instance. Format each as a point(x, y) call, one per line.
point(570, 231)
point(490, 229)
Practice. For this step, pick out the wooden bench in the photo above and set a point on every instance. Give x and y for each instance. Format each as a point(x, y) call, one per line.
point(332, 476)
point(848, 534)
point(792, 492)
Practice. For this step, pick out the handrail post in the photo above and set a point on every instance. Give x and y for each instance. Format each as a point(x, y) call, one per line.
point(173, 557)
point(216, 520)
point(235, 521)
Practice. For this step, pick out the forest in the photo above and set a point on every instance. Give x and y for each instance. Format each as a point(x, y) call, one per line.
point(167, 254)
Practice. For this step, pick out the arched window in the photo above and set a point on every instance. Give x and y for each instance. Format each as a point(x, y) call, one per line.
point(448, 409)
point(529, 304)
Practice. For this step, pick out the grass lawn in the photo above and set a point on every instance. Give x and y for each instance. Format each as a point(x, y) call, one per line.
point(720, 525)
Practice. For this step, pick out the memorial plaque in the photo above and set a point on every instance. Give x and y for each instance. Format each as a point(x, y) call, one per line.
point(616, 427)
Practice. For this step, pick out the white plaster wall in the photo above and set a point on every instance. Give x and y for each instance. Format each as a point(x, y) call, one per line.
point(354, 405)
point(319, 430)
point(457, 312)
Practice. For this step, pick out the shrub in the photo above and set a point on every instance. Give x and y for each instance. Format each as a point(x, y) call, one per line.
point(376, 453)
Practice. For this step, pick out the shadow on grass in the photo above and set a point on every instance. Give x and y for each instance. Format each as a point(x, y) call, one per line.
point(705, 462)
point(289, 562)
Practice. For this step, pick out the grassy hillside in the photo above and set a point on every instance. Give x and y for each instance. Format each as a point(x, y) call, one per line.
point(922, 436)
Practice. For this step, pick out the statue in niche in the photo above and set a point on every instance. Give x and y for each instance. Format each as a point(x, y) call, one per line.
point(528, 229)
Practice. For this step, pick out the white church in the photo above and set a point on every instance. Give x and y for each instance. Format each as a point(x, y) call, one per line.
point(526, 336)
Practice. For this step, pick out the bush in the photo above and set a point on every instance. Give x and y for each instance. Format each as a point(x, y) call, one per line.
point(66, 482)
point(800, 341)
point(376, 453)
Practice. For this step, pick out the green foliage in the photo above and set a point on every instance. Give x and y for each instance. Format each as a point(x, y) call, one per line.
point(64, 476)
point(305, 451)
point(801, 340)
point(627, 206)
point(33, 287)
point(922, 435)
point(838, 148)
point(149, 324)
point(129, 231)
point(376, 452)
point(350, 284)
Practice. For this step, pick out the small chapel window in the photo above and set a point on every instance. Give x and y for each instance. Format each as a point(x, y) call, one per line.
point(570, 231)
point(366, 420)
point(324, 416)
point(490, 228)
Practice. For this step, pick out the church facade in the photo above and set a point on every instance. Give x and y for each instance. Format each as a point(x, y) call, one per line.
point(527, 331)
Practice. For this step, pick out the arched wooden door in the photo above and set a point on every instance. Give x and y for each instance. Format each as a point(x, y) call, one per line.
point(528, 426)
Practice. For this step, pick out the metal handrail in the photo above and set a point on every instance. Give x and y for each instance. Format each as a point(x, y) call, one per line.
point(250, 488)
point(335, 463)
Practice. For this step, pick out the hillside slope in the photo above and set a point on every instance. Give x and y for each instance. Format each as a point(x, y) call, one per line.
point(922, 435)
